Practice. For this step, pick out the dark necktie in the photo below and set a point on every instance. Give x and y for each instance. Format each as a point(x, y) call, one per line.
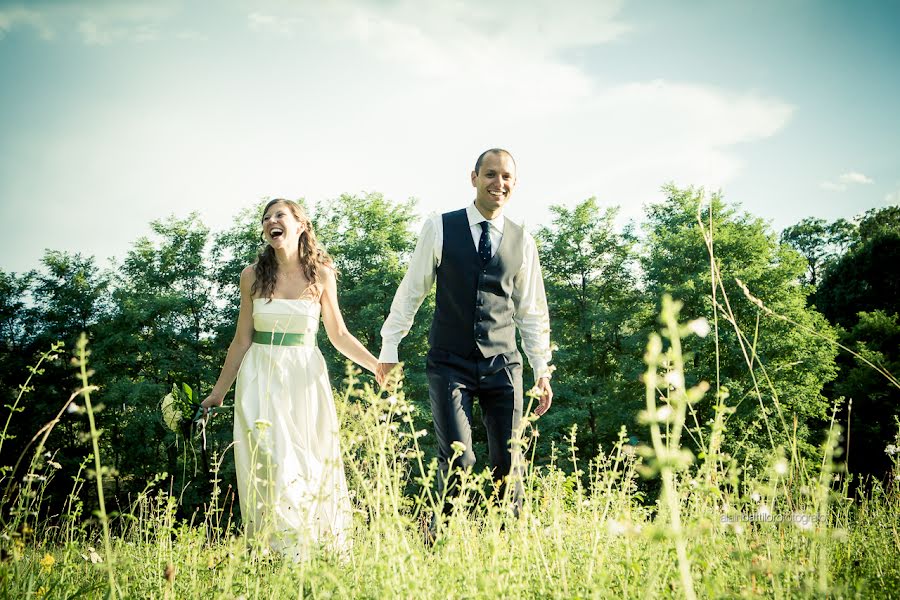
point(484, 244)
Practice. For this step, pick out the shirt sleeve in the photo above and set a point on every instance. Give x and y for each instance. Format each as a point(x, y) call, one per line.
point(532, 316)
point(412, 291)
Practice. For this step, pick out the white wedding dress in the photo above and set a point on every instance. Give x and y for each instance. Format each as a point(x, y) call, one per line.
point(291, 482)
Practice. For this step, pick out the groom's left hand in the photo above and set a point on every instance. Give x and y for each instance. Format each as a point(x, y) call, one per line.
point(546, 396)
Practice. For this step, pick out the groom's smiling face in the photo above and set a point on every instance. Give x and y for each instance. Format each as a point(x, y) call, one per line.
point(494, 183)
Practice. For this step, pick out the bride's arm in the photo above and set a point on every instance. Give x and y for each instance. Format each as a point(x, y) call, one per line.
point(337, 331)
point(243, 337)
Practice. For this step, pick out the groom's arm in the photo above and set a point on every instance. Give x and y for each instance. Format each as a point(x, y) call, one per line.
point(412, 291)
point(532, 318)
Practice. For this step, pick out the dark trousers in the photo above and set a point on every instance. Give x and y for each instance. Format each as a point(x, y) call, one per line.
point(453, 383)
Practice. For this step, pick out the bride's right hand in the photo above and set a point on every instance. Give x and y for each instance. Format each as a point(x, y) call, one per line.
point(210, 402)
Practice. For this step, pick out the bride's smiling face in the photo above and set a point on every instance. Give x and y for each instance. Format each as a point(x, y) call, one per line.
point(281, 227)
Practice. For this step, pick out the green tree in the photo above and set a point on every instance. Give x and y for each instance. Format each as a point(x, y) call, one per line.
point(371, 241)
point(860, 293)
point(18, 323)
point(867, 277)
point(596, 316)
point(16, 328)
point(876, 337)
point(158, 334)
point(820, 242)
point(796, 363)
point(232, 250)
point(58, 302)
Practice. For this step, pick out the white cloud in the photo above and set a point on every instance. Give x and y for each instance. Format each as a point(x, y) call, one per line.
point(845, 180)
point(854, 177)
point(390, 97)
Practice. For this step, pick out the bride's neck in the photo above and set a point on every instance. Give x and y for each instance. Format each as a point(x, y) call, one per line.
point(287, 257)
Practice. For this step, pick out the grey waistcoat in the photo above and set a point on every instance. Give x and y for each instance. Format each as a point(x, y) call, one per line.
point(473, 306)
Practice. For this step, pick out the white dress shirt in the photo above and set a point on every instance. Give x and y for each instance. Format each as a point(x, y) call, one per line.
point(529, 298)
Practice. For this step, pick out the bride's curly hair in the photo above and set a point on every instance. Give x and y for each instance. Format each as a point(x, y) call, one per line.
point(312, 256)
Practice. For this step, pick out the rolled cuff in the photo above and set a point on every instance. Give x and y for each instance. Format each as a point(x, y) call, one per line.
point(541, 369)
point(389, 354)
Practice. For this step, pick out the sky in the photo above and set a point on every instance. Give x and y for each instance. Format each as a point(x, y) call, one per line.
point(116, 113)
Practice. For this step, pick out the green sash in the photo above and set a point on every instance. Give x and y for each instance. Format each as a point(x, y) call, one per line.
point(284, 339)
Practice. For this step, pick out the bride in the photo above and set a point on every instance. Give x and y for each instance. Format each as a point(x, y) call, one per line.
point(291, 483)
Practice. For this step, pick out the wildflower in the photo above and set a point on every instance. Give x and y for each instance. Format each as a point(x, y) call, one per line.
point(262, 424)
point(764, 512)
point(664, 413)
point(421, 433)
point(890, 450)
point(693, 483)
point(674, 379)
point(781, 467)
point(458, 447)
point(392, 400)
point(54, 464)
point(755, 496)
point(615, 528)
point(72, 408)
point(699, 327)
point(92, 556)
point(47, 563)
point(41, 591)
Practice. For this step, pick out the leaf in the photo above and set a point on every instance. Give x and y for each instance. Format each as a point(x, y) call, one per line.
point(171, 413)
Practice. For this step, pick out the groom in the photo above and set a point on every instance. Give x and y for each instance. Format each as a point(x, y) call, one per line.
point(488, 285)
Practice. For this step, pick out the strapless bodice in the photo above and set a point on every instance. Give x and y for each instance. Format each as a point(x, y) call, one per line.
point(286, 315)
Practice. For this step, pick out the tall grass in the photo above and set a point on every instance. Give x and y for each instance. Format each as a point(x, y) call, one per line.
point(582, 532)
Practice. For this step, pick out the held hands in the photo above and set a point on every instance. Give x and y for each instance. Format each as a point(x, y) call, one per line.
point(382, 371)
point(546, 396)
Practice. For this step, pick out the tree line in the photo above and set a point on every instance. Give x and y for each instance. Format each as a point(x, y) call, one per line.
point(164, 314)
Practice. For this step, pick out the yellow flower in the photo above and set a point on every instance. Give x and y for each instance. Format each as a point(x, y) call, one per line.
point(47, 563)
point(40, 592)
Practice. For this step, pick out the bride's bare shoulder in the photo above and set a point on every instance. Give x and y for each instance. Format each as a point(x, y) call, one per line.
point(248, 276)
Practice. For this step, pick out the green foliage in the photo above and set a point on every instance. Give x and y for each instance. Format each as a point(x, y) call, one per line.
point(596, 312)
point(371, 240)
point(860, 293)
point(867, 277)
point(820, 242)
point(876, 403)
point(232, 250)
point(774, 371)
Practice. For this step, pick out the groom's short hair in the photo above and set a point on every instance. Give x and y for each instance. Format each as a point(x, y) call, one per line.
point(492, 151)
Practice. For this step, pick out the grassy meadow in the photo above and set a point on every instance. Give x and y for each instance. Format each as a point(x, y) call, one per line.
point(716, 529)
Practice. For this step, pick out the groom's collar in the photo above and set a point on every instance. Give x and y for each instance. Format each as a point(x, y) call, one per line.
point(476, 217)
